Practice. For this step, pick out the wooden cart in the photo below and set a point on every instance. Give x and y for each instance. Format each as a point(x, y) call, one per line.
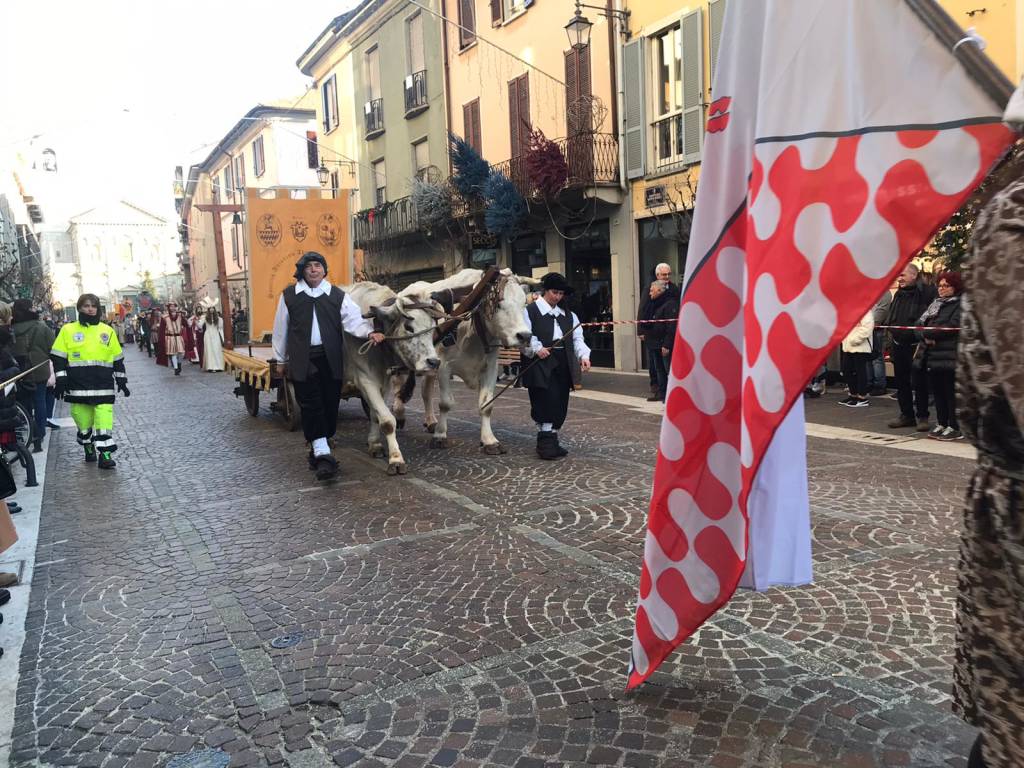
point(255, 371)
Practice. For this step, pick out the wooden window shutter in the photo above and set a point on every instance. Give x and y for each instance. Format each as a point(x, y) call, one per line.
point(524, 112)
point(312, 153)
point(478, 143)
point(467, 19)
point(513, 117)
point(693, 86)
point(635, 133)
point(467, 122)
point(495, 12)
point(716, 18)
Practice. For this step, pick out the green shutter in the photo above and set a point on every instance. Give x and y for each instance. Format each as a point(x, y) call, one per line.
point(693, 86)
point(716, 18)
point(635, 129)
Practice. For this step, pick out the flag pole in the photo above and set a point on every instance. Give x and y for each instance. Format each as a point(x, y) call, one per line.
point(979, 66)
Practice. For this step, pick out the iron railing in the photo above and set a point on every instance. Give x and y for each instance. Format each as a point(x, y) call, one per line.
point(374, 113)
point(592, 160)
point(416, 93)
point(394, 219)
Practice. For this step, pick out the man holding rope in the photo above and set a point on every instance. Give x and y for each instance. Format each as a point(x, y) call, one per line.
point(559, 363)
point(307, 334)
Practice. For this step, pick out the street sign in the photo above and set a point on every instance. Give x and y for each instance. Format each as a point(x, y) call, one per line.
point(654, 197)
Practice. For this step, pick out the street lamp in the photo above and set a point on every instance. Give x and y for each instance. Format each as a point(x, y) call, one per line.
point(578, 29)
point(579, 26)
point(323, 175)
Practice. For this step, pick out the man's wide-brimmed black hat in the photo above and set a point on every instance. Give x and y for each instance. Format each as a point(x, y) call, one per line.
point(555, 281)
point(308, 257)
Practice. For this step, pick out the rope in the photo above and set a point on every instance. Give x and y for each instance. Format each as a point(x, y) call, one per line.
point(369, 342)
point(532, 363)
point(23, 374)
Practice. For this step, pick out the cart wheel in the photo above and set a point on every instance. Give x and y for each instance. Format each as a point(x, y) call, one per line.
point(366, 408)
point(252, 399)
point(292, 412)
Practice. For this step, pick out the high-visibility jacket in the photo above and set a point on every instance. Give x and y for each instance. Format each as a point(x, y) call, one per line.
point(90, 358)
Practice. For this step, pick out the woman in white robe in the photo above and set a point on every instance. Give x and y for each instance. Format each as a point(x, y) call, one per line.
point(213, 341)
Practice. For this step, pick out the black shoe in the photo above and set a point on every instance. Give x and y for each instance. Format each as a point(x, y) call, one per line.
point(312, 461)
point(177, 371)
point(653, 397)
point(547, 446)
point(562, 451)
point(52, 424)
point(90, 452)
point(5, 596)
point(903, 421)
point(13, 507)
point(37, 445)
point(326, 467)
point(106, 460)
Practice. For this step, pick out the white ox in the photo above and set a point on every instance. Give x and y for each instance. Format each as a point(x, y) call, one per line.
point(409, 321)
point(472, 358)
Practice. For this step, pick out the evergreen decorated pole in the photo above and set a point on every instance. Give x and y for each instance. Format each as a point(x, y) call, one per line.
point(506, 208)
point(470, 170)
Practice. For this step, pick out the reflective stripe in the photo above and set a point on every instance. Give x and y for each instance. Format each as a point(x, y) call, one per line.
point(58, 353)
point(61, 373)
point(82, 363)
point(120, 375)
point(89, 392)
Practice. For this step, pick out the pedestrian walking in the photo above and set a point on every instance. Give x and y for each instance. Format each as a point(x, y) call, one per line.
point(988, 689)
point(89, 366)
point(660, 334)
point(912, 298)
point(311, 316)
point(663, 274)
point(191, 339)
point(174, 337)
point(876, 373)
point(32, 342)
point(211, 326)
point(856, 350)
point(550, 379)
point(939, 354)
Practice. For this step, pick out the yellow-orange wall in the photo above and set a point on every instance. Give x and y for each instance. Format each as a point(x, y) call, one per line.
point(999, 24)
point(537, 36)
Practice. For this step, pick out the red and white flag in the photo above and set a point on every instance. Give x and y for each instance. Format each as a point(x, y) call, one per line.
point(841, 136)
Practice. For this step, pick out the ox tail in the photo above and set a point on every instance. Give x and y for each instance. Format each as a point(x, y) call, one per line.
point(405, 393)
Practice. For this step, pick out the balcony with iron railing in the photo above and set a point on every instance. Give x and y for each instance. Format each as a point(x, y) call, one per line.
point(391, 220)
point(592, 160)
point(416, 93)
point(374, 112)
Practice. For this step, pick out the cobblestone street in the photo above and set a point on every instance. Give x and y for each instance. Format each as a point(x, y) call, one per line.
point(208, 595)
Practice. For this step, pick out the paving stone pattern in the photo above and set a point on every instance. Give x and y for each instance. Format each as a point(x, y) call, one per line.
point(476, 612)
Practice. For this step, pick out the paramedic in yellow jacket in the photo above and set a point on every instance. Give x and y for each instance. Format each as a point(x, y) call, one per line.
point(88, 364)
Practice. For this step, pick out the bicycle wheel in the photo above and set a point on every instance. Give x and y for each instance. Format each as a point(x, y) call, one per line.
point(24, 431)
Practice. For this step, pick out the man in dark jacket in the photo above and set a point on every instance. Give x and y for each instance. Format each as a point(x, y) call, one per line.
point(32, 342)
point(911, 299)
point(662, 307)
point(662, 273)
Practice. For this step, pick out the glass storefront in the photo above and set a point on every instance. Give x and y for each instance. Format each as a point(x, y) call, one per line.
point(588, 259)
point(659, 242)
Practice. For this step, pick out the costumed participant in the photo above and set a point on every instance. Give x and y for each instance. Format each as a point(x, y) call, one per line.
point(175, 337)
point(89, 365)
point(191, 340)
point(212, 329)
point(988, 672)
point(311, 316)
point(550, 379)
point(155, 338)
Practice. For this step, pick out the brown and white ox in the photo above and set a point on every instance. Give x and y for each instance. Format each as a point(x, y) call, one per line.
point(409, 322)
point(474, 355)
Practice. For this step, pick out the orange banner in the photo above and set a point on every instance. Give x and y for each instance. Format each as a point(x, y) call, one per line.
point(281, 229)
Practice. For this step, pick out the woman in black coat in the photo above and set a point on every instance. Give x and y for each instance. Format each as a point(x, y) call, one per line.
point(939, 350)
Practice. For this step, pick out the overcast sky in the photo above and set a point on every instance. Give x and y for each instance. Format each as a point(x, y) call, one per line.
point(124, 90)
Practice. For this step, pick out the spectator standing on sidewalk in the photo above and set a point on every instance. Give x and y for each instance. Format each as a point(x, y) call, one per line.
point(857, 361)
point(662, 307)
point(988, 688)
point(939, 358)
point(911, 299)
point(89, 365)
point(663, 274)
point(32, 342)
point(876, 372)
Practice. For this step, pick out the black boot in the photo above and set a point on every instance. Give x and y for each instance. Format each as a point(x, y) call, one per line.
point(106, 460)
point(177, 370)
point(558, 446)
point(547, 446)
point(90, 452)
point(37, 445)
point(326, 467)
